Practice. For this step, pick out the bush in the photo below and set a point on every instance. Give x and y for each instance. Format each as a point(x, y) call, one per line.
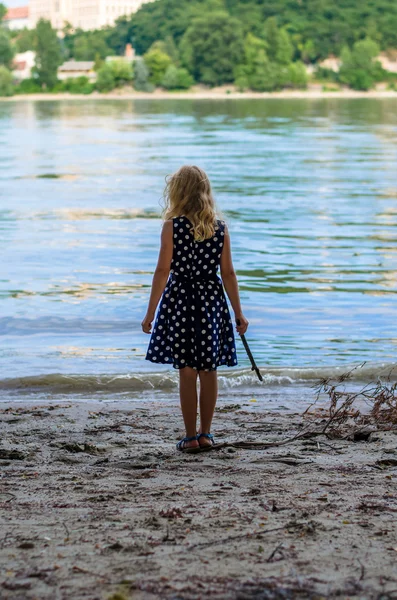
point(74, 85)
point(28, 86)
point(6, 87)
point(177, 79)
point(106, 81)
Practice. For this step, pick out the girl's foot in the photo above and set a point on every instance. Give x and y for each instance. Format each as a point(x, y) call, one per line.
point(188, 444)
point(205, 440)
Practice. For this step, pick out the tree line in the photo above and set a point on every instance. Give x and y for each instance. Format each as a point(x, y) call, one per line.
point(257, 45)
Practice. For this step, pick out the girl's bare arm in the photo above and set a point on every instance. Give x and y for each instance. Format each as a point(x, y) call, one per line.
point(161, 274)
point(230, 282)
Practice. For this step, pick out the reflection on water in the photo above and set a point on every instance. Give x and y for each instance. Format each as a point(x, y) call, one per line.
point(309, 189)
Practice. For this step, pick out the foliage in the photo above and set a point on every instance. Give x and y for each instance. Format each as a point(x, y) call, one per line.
point(25, 40)
point(89, 45)
point(6, 49)
point(106, 81)
point(6, 87)
point(267, 63)
point(48, 54)
point(141, 76)
point(177, 79)
point(157, 62)
point(359, 70)
point(3, 10)
point(74, 85)
point(28, 86)
point(211, 47)
point(122, 71)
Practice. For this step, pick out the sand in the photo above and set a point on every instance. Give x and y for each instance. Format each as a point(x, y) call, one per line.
point(313, 92)
point(97, 504)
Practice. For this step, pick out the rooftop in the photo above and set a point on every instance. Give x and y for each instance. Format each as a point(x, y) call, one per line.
point(19, 12)
point(77, 65)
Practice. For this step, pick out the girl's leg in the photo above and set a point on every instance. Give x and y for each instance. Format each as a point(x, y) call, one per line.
point(188, 398)
point(208, 397)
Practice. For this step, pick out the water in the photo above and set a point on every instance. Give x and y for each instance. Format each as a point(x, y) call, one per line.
point(309, 190)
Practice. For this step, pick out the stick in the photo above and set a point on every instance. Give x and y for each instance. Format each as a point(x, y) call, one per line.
point(249, 353)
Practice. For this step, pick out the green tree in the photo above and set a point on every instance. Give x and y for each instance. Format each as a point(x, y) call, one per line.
point(6, 87)
point(141, 76)
point(90, 44)
point(212, 47)
point(177, 79)
point(296, 75)
point(3, 10)
point(168, 47)
point(106, 81)
point(279, 45)
point(6, 49)
point(122, 71)
point(48, 54)
point(25, 40)
point(157, 62)
point(359, 70)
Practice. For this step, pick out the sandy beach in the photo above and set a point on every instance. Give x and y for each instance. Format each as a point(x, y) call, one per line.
point(220, 93)
point(97, 504)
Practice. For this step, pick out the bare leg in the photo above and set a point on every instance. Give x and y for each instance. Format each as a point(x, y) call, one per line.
point(208, 398)
point(188, 398)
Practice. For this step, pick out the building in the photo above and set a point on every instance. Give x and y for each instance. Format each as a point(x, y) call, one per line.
point(82, 14)
point(23, 64)
point(77, 68)
point(17, 18)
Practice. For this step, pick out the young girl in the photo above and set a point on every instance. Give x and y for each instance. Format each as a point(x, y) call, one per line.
point(193, 329)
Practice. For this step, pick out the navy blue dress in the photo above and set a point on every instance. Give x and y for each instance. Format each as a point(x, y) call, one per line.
point(193, 327)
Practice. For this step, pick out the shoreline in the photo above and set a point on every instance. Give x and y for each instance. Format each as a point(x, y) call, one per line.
point(216, 94)
point(94, 497)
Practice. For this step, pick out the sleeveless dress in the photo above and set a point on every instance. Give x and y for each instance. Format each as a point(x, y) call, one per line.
point(193, 327)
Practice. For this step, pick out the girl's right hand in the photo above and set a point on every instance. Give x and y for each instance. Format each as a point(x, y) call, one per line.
point(241, 324)
point(147, 323)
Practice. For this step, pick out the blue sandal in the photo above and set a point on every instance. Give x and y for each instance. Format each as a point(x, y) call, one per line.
point(208, 436)
point(181, 445)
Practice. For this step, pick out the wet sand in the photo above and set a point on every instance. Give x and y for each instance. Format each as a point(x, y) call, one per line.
point(97, 504)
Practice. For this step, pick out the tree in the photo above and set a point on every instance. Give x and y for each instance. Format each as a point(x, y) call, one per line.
point(3, 10)
point(25, 40)
point(141, 76)
point(177, 79)
point(359, 69)
point(105, 81)
point(157, 62)
point(6, 49)
point(6, 87)
point(212, 47)
point(122, 71)
point(279, 45)
point(90, 44)
point(48, 54)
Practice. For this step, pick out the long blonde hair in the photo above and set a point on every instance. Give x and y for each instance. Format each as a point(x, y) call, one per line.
point(188, 193)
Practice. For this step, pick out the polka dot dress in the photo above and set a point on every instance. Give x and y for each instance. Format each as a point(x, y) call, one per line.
point(193, 327)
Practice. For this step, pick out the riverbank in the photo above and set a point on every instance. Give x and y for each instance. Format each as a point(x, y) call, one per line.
point(95, 500)
point(222, 93)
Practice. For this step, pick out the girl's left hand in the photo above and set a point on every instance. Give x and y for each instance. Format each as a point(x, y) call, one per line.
point(147, 323)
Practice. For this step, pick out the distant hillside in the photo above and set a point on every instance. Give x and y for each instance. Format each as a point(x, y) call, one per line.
point(317, 27)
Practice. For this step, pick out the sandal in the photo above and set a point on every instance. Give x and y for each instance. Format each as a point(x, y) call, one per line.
point(181, 445)
point(208, 436)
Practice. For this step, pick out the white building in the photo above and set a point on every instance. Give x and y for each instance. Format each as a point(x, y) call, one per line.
point(23, 64)
point(83, 14)
point(77, 68)
point(17, 18)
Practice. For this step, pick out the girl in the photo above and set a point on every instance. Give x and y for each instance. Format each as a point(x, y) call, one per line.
point(193, 329)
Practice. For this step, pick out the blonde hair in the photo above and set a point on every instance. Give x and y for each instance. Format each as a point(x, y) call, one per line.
point(188, 193)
